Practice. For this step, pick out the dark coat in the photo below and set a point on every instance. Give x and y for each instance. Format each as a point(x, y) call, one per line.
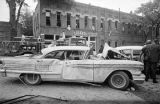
point(101, 49)
point(145, 53)
point(154, 52)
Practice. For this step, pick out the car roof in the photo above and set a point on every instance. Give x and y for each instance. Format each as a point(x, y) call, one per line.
point(129, 47)
point(50, 49)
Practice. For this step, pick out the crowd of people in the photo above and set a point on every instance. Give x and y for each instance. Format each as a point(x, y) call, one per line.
point(151, 56)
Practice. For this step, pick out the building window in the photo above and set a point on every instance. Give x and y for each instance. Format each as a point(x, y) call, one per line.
point(37, 22)
point(49, 37)
point(57, 37)
point(129, 27)
point(68, 19)
point(67, 36)
point(116, 44)
point(102, 23)
point(59, 19)
point(135, 29)
point(109, 43)
point(116, 24)
point(86, 38)
point(77, 21)
point(92, 42)
point(86, 21)
point(48, 18)
point(92, 38)
point(123, 26)
point(123, 42)
point(109, 24)
point(93, 23)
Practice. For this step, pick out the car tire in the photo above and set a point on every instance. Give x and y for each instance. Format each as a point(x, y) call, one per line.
point(32, 79)
point(119, 80)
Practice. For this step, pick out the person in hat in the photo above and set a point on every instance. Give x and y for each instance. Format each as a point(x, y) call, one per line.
point(154, 50)
point(145, 54)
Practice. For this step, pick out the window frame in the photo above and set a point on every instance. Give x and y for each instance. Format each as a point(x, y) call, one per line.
point(86, 21)
point(94, 22)
point(48, 18)
point(102, 23)
point(68, 19)
point(77, 21)
point(59, 24)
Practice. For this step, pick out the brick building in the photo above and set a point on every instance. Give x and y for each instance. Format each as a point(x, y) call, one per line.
point(4, 31)
point(98, 25)
point(5, 34)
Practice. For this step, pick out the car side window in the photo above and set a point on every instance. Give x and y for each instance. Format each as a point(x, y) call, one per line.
point(74, 55)
point(56, 55)
point(113, 55)
point(136, 52)
point(126, 52)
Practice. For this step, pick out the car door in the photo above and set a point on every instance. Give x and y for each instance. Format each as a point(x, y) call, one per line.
point(76, 68)
point(52, 62)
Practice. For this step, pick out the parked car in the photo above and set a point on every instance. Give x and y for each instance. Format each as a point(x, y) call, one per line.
point(134, 53)
point(73, 64)
point(131, 51)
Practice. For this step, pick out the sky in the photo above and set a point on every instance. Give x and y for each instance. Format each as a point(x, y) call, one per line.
point(124, 5)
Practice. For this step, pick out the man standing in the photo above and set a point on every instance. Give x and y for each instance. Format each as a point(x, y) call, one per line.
point(154, 53)
point(146, 55)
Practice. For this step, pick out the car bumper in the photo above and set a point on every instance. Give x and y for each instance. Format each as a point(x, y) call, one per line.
point(139, 79)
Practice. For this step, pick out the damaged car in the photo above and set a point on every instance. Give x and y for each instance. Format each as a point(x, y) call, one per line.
point(74, 64)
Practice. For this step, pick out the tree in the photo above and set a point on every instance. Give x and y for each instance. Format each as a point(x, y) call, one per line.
point(14, 19)
point(27, 23)
point(151, 14)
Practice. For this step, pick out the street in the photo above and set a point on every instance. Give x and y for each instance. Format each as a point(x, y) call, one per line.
point(75, 92)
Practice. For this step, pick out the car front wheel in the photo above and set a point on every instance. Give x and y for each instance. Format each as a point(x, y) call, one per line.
point(32, 79)
point(119, 80)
